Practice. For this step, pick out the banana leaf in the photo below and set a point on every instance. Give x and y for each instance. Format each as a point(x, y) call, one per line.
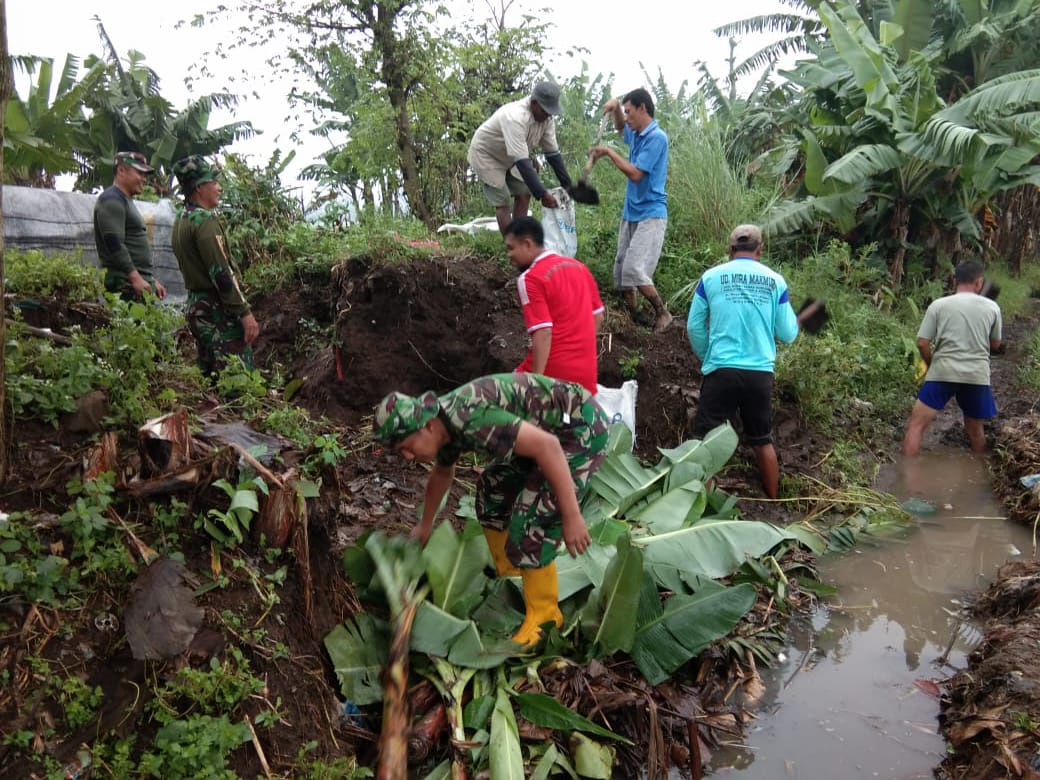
point(434, 630)
point(619, 439)
point(500, 610)
point(358, 649)
point(713, 549)
point(712, 452)
point(605, 532)
point(505, 759)
point(609, 611)
point(670, 635)
point(622, 480)
point(470, 651)
point(543, 710)
point(572, 576)
point(674, 509)
point(455, 567)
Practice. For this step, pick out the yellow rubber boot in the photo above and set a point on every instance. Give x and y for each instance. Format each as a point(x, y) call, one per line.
point(541, 596)
point(496, 541)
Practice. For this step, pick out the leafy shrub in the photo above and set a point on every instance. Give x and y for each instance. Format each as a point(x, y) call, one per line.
point(33, 274)
point(126, 358)
point(27, 566)
point(195, 749)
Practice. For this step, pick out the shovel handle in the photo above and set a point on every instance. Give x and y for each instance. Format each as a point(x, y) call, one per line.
point(599, 137)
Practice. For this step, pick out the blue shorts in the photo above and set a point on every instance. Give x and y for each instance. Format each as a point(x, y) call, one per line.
point(976, 401)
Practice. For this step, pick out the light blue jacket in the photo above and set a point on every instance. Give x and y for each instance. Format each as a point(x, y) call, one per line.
point(739, 311)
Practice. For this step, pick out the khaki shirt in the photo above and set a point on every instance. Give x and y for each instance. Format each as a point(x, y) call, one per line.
point(961, 327)
point(506, 136)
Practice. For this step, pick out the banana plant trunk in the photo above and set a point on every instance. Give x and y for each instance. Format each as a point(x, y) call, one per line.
point(900, 226)
point(393, 739)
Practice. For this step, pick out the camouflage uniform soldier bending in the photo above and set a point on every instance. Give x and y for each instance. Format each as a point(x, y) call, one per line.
point(547, 438)
point(218, 314)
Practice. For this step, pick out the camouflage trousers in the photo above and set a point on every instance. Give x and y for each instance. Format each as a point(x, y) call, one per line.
point(515, 496)
point(217, 333)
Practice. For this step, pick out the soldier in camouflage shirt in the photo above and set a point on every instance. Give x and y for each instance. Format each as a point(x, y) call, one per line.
point(547, 438)
point(218, 314)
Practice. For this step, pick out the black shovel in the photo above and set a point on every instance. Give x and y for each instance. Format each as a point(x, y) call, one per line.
point(583, 192)
point(813, 315)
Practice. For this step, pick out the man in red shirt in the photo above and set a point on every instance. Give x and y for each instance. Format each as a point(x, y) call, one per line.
point(561, 305)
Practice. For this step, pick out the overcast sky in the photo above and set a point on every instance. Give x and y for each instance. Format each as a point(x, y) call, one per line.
point(619, 36)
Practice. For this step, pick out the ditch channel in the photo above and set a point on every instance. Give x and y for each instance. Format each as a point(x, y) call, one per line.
point(855, 692)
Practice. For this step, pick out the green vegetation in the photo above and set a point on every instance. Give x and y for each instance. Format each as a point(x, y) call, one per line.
point(873, 168)
point(666, 549)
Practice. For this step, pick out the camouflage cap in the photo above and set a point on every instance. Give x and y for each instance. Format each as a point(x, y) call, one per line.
point(398, 415)
point(194, 170)
point(135, 160)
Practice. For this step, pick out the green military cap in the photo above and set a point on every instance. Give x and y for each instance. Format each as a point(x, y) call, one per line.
point(194, 170)
point(398, 415)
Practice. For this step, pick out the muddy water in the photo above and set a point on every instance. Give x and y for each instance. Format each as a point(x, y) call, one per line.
point(848, 701)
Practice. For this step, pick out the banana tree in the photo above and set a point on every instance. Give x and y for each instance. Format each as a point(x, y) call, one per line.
point(128, 111)
point(884, 159)
point(42, 130)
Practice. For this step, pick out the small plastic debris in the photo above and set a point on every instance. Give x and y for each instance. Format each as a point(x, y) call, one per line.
point(1030, 480)
point(106, 621)
point(350, 715)
point(918, 506)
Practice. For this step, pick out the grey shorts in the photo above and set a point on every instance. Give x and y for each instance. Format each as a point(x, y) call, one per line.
point(638, 250)
point(502, 196)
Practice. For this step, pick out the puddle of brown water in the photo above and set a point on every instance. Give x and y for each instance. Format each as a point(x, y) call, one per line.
point(844, 702)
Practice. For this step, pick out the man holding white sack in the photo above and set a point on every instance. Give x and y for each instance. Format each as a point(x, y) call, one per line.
point(500, 153)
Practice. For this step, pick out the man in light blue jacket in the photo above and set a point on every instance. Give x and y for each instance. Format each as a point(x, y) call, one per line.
point(739, 311)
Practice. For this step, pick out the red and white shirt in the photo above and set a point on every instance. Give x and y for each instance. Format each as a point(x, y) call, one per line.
point(560, 293)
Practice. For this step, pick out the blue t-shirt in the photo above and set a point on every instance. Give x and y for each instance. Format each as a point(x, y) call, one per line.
point(648, 151)
point(739, 311)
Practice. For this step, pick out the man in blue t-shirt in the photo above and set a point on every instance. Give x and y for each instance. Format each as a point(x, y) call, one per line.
point(739, 311)
point(645, 215)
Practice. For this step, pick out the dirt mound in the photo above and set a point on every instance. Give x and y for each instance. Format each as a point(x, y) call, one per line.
point(436, 323)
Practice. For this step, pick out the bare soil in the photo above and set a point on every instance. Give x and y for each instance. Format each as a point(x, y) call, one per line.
point(430, 323)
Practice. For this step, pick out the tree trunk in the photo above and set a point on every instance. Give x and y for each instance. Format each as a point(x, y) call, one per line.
point(900, 225)
point(395, 76)
point(5, 93)
point(1014, 235)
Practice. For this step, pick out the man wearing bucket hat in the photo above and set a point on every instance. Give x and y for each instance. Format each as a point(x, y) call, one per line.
point(120, 234)
point(547, 437)
point(218, 314)
point(500, 153)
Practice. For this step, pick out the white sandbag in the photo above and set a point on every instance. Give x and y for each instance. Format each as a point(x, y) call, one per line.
point(620, 403)
point(560, 225)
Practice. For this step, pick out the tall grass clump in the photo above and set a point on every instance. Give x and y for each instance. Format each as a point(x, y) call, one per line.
point(1029, 370)
point(859, 369)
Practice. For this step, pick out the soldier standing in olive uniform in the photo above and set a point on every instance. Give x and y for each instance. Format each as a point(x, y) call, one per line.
point(547, 438)
point(120, 234)
point(218, 314)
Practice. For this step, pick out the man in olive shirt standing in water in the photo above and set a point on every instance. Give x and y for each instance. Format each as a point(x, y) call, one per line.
point(120, 234)
point(955, 340)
